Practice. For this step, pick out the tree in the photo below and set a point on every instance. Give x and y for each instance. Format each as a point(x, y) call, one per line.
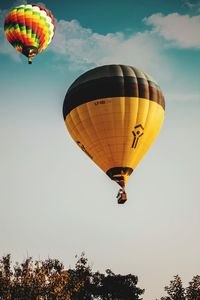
point(193, 290)
point(175, 290)
point(35, 281)
point(49, 280)
point(5, 277)
point(120, 287)
point(99, 286)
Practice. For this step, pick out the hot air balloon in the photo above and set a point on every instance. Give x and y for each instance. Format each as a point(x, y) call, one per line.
point(29, 29)
point(114, 113)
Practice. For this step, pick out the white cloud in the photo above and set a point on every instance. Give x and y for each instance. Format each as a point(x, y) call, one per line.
point(181, 30)
point(84, 48)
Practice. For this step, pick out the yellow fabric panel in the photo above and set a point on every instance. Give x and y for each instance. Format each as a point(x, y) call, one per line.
point(104, 129)
point(151, 129)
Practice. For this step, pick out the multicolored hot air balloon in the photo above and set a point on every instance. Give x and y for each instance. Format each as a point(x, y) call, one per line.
point(29, 29)
point(114, 114)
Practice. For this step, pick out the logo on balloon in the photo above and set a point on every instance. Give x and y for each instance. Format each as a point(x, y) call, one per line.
point(137, 133)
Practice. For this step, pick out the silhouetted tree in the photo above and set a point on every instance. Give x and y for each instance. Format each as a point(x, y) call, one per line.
point(175, 290)
point(102, 286)
point(120, 287)
point(193, 290)
point(5, 277)
point(49, 280)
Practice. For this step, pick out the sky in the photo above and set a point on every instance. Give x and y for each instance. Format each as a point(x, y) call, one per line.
point(54, 202)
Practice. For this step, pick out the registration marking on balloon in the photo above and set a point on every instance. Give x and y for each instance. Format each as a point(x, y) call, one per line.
point(102, 102)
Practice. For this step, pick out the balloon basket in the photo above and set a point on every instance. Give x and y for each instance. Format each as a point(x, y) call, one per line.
point(121, 196)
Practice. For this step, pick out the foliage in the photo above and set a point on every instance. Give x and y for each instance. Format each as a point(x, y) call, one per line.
point(193, 290)
point(49, 280)
point(176, 291)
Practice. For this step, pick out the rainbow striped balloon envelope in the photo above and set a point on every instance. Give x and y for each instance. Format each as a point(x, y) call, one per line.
point(29, 29)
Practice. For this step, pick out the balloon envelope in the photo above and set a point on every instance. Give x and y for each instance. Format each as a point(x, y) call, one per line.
point(114, 114)
point(29, 28)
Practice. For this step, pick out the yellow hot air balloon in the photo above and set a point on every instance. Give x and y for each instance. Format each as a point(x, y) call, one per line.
point(114, 113)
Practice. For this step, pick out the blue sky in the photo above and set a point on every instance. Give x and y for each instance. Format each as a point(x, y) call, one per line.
point(54, 201)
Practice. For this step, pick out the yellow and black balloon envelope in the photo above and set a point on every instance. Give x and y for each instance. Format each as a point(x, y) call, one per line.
point(29, 29)
point(114, 113)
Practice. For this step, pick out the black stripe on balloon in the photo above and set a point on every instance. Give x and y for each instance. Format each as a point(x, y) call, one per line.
point(115, 173)
point(108, 87)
